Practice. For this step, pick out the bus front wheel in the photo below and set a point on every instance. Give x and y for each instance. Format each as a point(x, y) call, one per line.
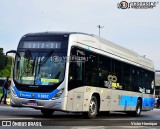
point(47, 112)
point(93, 109)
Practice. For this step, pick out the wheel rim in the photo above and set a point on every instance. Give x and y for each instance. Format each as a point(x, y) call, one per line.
point(93, 107)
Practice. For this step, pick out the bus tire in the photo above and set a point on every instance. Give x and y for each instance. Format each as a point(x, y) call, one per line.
point(93, 109)
point(137, 112)
point(47, 112)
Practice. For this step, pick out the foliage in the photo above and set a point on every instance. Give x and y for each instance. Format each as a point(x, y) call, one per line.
point(5, 71)
point(2, 57)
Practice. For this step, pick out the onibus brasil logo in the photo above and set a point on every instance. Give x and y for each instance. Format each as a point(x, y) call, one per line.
point(123, 5)
point(137, 5)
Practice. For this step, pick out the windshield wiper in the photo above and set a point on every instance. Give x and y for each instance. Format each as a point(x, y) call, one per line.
point(44, 60)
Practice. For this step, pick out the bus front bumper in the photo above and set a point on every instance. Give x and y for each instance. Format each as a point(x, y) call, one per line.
point(58, 104)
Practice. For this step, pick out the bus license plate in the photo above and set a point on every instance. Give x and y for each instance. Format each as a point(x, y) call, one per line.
point(32, 104)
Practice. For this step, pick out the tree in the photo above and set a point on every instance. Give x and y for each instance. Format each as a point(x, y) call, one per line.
point(2, 57)
point(5, 71)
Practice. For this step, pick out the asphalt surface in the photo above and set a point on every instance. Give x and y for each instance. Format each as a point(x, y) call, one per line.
point(62, 120)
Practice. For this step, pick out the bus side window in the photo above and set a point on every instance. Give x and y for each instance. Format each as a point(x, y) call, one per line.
point(104, 70)
point(76, 69)
point(91, 69)
point(126, 77)
point(150, 80)
point(117, 74)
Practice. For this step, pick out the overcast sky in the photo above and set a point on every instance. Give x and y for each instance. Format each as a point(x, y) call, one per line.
point(137, 30)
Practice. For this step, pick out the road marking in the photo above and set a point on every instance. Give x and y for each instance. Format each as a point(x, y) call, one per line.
point(16, 108)
point(21, 118)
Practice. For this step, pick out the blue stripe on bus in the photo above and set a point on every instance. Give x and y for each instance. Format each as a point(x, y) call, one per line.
point(35, 95)
point(148, 102)
point(128, 101)
point(132, 101)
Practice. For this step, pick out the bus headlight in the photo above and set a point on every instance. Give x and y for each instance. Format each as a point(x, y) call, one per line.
point(59, 93)
point(13, 92)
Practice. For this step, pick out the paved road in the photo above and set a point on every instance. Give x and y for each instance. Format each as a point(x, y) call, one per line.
point(76, 121)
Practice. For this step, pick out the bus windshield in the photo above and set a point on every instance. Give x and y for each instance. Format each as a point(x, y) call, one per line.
point(42, 68)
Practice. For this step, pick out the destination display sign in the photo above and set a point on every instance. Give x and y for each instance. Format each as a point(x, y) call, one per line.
point(42, 44)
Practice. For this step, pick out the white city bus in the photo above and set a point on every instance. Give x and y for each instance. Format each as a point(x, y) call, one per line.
point(77, 72)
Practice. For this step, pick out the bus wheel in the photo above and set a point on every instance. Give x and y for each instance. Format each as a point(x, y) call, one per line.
point(93, 108)
point(47, 112)
point(137, 112)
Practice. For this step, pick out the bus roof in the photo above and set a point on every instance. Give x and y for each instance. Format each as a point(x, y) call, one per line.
point(54, 33)
point(120, 52)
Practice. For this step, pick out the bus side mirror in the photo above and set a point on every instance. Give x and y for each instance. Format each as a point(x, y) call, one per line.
point(14, 52)
point(11, 51)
